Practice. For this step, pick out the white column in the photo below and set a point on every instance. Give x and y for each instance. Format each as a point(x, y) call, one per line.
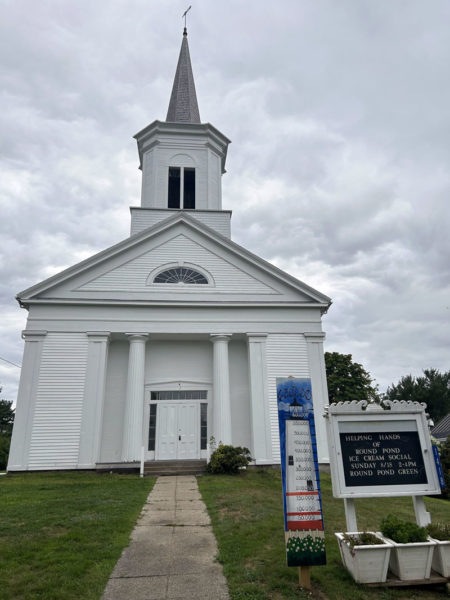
point(26, 400)
point(132, 432)
point(94, 392)
point(261, 435)
point(221, 390)
point(316, 359)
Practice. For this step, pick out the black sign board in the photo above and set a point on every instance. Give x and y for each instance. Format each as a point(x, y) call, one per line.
point(382, 458)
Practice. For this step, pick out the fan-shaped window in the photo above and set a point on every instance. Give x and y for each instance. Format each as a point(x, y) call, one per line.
point(180, 275)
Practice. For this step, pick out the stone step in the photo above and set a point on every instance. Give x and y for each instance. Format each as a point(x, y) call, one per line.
point(174, 467)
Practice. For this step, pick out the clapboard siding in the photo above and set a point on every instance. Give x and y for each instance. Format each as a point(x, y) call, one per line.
point(286, 355)
point(55, 435)
point(133, 275)
point(219, 221)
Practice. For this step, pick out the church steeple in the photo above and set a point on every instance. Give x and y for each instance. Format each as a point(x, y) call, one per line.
point(183, 107)
point(182, 160)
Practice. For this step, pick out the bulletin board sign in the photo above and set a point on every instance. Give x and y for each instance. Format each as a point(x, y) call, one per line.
point(303, 520)
point(380, 452)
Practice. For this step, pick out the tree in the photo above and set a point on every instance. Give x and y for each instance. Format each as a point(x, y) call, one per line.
point(6, 425)
point(444, 452)
point(433, 388)
point(348, 380)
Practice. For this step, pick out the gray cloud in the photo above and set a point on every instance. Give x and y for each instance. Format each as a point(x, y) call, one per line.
point(338, 171)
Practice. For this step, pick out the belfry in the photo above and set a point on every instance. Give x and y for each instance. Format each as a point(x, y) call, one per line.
point(171, 337)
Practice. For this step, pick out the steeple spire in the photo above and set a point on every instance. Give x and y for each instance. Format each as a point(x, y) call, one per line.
point(183, 107)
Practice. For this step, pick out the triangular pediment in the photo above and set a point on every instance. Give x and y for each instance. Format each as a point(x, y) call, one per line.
point(136, 275)
point(126, 272)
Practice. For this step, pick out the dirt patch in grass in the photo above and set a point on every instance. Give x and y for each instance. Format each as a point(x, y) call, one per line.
point(54, 531)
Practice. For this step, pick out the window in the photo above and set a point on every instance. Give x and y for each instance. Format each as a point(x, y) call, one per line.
point(181, 190)
point(174, 187)
point(152, 427)
point(179, 395)
point(181, 275)
point(189, 188)
point(203, 425)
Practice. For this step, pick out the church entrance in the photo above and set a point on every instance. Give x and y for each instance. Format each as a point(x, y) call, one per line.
point(177, 425)
point(177, 431)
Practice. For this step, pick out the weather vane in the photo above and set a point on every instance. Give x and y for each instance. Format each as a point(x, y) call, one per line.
point(184, 15)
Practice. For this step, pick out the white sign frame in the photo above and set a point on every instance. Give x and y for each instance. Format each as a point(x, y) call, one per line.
point(360, 417)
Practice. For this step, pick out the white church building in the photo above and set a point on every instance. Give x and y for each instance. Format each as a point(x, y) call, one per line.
point(171, 336)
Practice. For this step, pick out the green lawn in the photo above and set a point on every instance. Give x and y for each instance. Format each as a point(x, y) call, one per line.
point(62, 533)
point(247, 515)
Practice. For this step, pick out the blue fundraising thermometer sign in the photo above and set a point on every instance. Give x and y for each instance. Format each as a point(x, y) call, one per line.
point(303, 520)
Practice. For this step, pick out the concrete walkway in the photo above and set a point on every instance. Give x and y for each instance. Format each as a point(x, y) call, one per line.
point(172, 550)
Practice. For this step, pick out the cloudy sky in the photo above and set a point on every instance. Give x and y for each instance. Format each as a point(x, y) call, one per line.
point(339, 170)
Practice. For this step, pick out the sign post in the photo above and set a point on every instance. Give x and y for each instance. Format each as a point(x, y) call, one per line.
point(303, 521)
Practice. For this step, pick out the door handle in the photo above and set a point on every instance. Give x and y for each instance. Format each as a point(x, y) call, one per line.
point(179, 438)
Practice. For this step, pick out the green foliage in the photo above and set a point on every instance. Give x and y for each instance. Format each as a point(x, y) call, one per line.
point(433, 388)
point(228, 459)
point(444, 452)
point(5, 442)
point(365, 538)
point(6, 417)
point(402, 532)
point(439, 531)
point(348, 380)
point(6, 425)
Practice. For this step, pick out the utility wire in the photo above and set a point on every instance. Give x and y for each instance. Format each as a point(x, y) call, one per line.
point(11, 363)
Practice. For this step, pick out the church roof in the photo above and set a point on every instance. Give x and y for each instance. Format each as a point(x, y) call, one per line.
point(303, 294)
point(183, 107)
point(442, 429)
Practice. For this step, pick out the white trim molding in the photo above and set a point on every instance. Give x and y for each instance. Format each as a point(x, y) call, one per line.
point(259, 402)
point(94, 395)
point(26, 400)
point(316, 359)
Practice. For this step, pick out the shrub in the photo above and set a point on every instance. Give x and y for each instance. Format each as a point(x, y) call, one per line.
point(5, 441)
point(402, 532)
point(228, 459)
point(439, 531)
point(444, 451)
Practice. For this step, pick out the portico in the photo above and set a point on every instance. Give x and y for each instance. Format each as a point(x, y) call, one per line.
point(180, 391)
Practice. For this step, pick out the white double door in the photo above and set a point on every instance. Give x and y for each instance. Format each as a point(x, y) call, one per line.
point(177, 431)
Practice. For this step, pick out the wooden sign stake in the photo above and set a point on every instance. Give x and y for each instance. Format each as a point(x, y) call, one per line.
point(304, 578)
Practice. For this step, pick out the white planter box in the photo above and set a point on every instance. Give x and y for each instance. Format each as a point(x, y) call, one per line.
point(411, 561)
point(366, 564)
point(441, 557)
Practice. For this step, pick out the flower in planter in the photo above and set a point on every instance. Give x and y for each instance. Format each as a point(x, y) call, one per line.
point(365, 555)
point(439, 531)
point(412, 553)
point(402, 532)
point(440, 534)
point(365, 538)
